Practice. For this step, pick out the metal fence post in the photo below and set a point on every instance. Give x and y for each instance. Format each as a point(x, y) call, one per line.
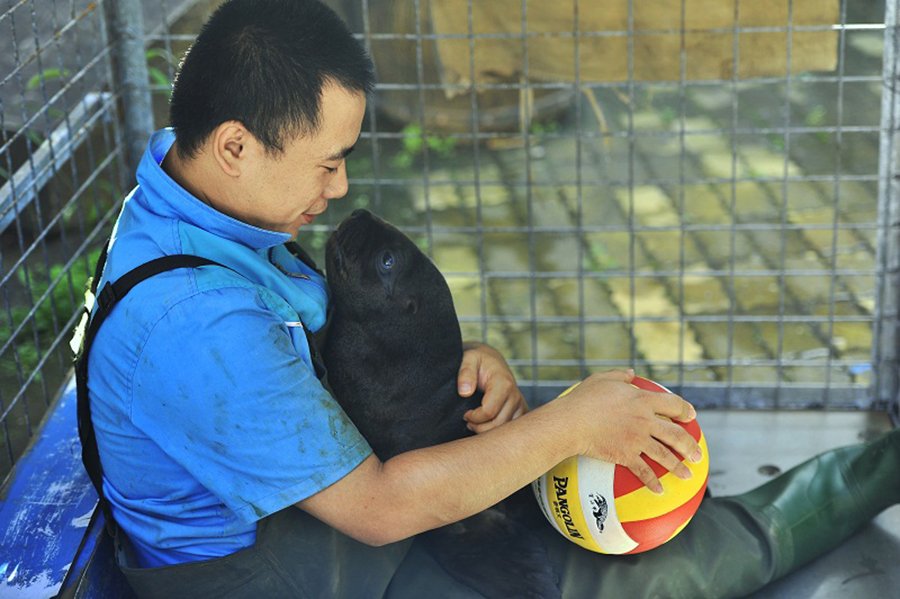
point(885, 346)
point(125, 23)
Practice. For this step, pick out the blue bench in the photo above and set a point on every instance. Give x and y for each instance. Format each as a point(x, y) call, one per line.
point(52, 538)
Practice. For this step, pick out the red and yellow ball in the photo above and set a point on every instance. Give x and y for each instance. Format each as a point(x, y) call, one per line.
point(605, 508)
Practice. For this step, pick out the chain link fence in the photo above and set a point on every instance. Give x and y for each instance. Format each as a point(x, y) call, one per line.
point(704, 191)
point(61, 176)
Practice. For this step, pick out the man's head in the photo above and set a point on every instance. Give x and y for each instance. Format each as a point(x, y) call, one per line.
point(264, 63)
point(266, 106)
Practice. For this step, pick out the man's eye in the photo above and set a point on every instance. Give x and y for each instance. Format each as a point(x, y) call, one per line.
point(331, 170)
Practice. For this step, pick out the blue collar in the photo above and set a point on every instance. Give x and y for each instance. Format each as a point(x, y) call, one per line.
point(170, 200)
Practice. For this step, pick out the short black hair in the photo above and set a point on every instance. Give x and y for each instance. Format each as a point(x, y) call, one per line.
point(264, 63)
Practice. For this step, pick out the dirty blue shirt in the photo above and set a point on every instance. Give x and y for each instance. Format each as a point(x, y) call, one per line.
point(207, 409)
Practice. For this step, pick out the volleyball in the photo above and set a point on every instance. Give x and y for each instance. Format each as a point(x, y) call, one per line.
point(605, 508)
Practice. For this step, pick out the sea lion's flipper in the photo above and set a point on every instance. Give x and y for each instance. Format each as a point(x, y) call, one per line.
point(495, 555)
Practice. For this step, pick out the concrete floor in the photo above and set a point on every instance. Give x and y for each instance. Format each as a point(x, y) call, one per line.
point(746, 448)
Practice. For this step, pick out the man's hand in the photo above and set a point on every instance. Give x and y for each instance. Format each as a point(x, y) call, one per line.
point(618, 422)
point(483, 368)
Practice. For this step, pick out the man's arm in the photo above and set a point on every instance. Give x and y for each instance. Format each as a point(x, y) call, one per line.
point(604, 417)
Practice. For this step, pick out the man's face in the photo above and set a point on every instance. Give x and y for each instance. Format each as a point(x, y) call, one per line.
point(288, 190)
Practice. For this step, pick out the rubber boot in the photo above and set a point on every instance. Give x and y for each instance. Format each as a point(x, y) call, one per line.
point(815, 506)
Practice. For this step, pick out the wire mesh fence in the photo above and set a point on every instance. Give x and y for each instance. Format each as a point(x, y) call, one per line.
point(700, 190)
point(60, 177)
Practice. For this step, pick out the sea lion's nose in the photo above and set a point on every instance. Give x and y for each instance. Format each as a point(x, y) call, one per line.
point(360, 213)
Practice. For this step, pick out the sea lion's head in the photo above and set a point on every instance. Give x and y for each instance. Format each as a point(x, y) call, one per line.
point(377, 273)
point(394, 345)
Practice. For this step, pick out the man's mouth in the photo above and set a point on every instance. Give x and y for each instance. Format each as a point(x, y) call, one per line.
point(309, 217)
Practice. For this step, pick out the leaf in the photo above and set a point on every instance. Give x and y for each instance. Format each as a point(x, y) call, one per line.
point(163, 54)
point(46, 75)
point(158, 77)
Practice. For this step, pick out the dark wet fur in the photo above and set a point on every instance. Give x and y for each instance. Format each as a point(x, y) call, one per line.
point(393, 354)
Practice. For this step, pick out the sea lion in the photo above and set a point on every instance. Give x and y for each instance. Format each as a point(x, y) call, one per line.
point(394, 346)
point(393, 354)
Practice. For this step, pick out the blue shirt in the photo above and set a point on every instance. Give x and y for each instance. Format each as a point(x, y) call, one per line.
point(207, 409)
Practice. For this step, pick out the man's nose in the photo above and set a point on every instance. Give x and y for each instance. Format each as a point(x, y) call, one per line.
point(338, 186)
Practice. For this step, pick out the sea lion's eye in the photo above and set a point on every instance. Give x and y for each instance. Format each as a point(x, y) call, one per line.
point(386, 260)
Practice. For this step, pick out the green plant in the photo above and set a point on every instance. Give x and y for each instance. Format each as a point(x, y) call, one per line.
point(668, 115)
point(816, 118)
point(599, 258)
point(62, 178)
point(59, 299)
point(752, 172)
point(537, 128)
point(40, 328)
point(414, 142)
point(35, 80)
point(46, 75)
point(421, 242)
point(157, 75)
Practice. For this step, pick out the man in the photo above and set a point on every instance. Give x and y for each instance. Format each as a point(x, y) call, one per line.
point(230, 470)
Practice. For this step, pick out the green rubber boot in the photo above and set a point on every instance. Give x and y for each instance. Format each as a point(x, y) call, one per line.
point(815, 506)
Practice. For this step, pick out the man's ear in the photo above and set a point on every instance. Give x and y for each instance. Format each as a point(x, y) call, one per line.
point(231, 144)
